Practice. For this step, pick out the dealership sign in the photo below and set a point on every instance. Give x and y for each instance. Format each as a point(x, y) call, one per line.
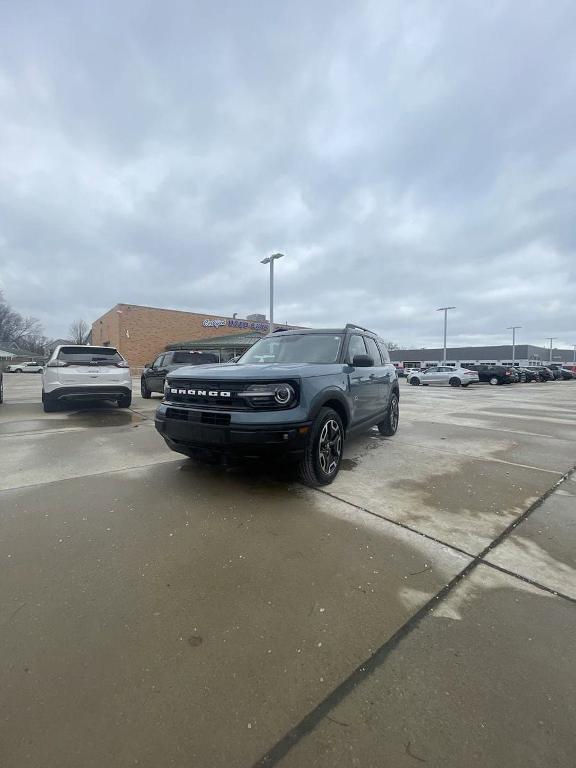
point(233, 323)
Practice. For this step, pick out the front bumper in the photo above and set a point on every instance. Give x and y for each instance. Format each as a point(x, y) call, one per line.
point(110, 392)
point(186, 428)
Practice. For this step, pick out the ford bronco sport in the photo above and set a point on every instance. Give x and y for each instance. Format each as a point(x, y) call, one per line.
point(296, 394)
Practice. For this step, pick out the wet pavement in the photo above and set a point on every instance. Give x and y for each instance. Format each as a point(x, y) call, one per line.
point(421, 609)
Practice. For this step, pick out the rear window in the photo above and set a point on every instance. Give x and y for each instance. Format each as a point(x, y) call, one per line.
point(87, 355)
point(194, 358)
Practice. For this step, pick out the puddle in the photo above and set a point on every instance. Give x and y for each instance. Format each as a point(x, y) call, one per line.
point(348, 464)
point(98, 418)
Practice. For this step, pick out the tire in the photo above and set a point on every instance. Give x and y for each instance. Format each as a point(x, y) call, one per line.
point(389, 426)
point(323, 456)
point(144, 391)
point(125, 401)
point(18, 370)
point(493, 381)
point(455, 382)
point(415, 381)
point(50, 406)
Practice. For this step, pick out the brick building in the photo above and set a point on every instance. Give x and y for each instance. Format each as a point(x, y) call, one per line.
point(140, 333)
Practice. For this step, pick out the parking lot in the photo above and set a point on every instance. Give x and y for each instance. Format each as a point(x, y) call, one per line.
point(419, 610)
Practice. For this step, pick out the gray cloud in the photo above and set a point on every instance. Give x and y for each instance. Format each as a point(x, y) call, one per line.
point(403, 156)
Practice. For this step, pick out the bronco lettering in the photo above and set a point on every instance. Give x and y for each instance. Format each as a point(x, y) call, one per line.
point(199, 392)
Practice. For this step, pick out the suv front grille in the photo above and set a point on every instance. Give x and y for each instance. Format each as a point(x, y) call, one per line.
point(215, 395)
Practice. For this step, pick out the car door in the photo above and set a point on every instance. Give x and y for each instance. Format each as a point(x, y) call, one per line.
point(444, 374)
point(156, 375)
point(362, 382)
point(430, 375)
point(381, 377)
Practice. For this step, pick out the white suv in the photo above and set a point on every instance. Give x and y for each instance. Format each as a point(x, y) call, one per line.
point(29, 367)
point(76, 372)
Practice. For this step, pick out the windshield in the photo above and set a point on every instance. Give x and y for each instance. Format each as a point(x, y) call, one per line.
point(194, 358)
point(304, 348)
point(89, 355)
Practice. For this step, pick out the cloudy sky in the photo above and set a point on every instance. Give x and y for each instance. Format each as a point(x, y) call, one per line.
point(403, 154)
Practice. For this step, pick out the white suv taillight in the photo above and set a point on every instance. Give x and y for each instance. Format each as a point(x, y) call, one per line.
point(56, 364)
point(122, 364)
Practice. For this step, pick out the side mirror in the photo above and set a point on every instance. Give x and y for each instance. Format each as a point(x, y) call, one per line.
point(147, 365)
point(362, 361)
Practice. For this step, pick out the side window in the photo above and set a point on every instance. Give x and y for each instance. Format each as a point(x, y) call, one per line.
point(385, 354)
point(159, 362)
point(373, 350)
point(356, 346)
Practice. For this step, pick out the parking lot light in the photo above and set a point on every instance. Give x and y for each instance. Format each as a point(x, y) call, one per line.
point(513, 328)
point(445, 310)
point(270, 260)
point(551, 339)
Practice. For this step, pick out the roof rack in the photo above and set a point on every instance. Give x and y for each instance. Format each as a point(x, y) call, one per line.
point(359, 328)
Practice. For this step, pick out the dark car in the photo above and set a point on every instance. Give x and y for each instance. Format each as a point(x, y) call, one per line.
point(1, 388)
point(154, 374)
point(566, 375)
point(528, 375)
point(493, 374)
point(295, 395)
point(545, 374)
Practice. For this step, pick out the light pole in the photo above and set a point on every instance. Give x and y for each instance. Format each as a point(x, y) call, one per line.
point(445, 310)
point(552, 338)
point(513, 328)
point(574, 345)
point(270, 260)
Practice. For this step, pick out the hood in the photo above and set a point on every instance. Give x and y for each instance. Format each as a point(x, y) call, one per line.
point(256, 371)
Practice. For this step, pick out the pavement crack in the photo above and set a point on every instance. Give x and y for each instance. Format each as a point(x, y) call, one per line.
point(411, 754)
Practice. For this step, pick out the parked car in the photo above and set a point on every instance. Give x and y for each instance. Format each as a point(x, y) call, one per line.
point(1, 389)
point(296, 395)
point(76, 372)
point(154, 374)
point(29, 367)
point(493, 374)
point(566, 375)
point(443, 374)
point(529, 375)
point(545, 374)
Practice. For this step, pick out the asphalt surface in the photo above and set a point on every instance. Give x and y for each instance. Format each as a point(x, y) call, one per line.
point(420, 610)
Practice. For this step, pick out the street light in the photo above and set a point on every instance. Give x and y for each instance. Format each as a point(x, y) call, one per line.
point(445, 310)
point(270, 260)
point(513, 328)
point(551, 339)
point(574, 345)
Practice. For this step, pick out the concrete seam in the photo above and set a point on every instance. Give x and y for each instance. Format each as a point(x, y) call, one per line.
point(309, 722)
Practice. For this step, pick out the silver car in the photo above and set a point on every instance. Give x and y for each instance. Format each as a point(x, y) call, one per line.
point(443, 374)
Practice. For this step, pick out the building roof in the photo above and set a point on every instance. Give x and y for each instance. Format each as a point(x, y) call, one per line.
point(9, 349)
point(498, 352)
point(230, 341)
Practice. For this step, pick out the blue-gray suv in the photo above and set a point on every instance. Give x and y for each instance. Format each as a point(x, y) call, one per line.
point(294, 394)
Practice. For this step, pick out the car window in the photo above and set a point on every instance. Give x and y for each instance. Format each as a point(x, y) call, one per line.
point(431, 370)
point(89, 355)
point(158, 362)
point(356, 346)
point(319, 348)
point(193, 358)
point(373, 350)
point(383, 353)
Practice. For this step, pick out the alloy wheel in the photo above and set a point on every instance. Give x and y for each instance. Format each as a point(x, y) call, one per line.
point(330, 446)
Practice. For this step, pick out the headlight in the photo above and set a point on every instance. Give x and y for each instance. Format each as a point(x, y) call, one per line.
point(273, 395)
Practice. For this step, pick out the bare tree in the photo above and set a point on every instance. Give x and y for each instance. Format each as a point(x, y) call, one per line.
point(391, 346)
point(16, 328)
point(79, 331)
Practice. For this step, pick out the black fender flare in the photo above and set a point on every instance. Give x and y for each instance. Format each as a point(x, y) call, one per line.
point(332, 395)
